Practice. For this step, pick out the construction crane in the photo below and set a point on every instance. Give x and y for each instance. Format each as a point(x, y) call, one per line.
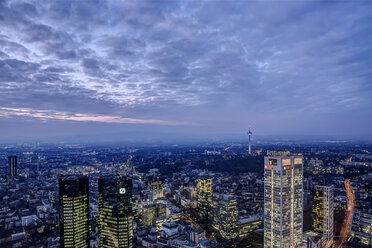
point(350, 159)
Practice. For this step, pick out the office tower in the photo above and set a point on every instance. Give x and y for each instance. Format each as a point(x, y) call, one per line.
point(156, 186)
point(226, 217)
point(148, 214)
point(204, 196)
point(282, 200)
point(13, 166)
point(115, 212)
point(323, 213)
point(362, 227)
point(74, 211)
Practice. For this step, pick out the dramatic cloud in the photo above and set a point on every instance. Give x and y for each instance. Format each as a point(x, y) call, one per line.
point(282, 67)
point(47, 114)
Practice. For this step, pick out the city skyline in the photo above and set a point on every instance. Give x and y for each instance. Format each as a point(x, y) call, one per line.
point(197, 196)
point(193, 124)
point(106, 70)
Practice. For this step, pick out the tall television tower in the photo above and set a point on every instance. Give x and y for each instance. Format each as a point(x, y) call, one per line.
point(250, 143)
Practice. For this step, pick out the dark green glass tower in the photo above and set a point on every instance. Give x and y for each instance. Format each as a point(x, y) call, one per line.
point(115, 212)
point(74, 211)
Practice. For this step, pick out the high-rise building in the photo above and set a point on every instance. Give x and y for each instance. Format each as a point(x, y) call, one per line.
point(74, 211)
point(226, 217)
point(362, 228)
point(115, 212)
point(323, 213)
point(156, 185)
point(148, 214)
point(204, 190)
point(13, 166)
point(283, 200)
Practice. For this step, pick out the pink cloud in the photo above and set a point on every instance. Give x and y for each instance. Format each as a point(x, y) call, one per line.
point(56, 115)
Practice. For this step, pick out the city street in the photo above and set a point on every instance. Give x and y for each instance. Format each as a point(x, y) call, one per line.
point(345, 229)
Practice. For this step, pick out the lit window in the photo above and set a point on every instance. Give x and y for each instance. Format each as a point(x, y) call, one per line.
point(286, 162)
point(298, 160)
point(273, 161)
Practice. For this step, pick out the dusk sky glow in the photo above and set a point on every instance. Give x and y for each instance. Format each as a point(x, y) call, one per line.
point(185, 68)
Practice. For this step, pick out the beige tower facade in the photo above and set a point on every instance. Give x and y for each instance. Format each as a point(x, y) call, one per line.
point(283, 209)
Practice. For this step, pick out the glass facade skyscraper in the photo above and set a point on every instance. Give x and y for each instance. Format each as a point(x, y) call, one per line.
point(226, 217)
point(283, 200)
point(115, 212)
point(323, 213)
point(204, 190)
point(74, 211)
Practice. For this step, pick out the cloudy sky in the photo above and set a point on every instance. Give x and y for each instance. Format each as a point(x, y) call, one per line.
point(185, 68)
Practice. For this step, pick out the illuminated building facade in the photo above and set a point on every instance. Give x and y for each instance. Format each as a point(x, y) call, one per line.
point(148, 214)
point(247, 225)
point(204, 190)
point(226, 217)
point(156, 186)
point(174, 217)
point(115, 212)
point(323, 213)
point(13, 166)
point(283, 200)
point(362, 227)
point(74, 211)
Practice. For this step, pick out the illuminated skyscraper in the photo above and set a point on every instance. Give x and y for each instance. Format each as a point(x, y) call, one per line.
point(204, 190)
point(115, 212)
point(74, 211)
point(323, 213)
point(283, 200)
point(13, 168)
point(226, 217)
